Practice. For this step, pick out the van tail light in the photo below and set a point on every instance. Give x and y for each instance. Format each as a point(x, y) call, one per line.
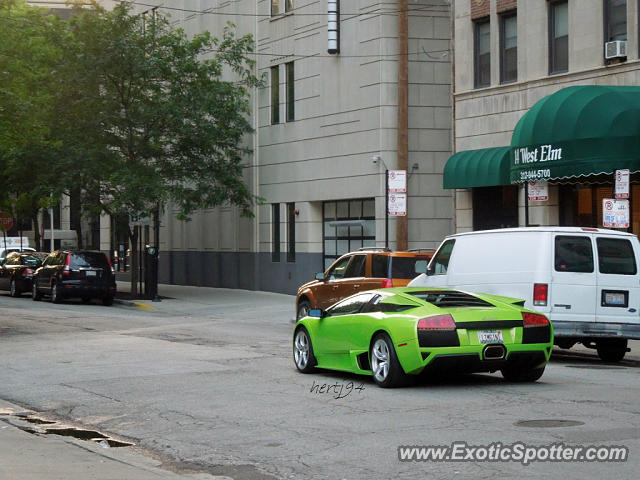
point(27, 272)
point(530, 319)
point(109, 262)
point(437, 322)
point(540, 294)
point(67, 269)
point(387, 283)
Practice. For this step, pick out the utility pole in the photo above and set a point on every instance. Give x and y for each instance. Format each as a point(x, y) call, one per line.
point(403, 112)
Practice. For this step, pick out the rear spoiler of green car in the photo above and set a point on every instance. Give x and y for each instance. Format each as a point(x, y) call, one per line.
point(518, 302)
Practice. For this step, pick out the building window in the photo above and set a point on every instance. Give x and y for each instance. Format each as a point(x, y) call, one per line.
point(275, 232)
point(482, 54)
point(275, 94)
point(615, 20)
point(291, 232)
point(508, 48)
point(290, 92)
point(276, 6)
point(558, 37)
point(348, 225)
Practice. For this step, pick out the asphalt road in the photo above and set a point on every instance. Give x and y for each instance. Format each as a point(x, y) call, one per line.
point(206, 382)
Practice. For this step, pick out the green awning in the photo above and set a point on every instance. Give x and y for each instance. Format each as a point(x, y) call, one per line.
point(578, 131)
point(477, 168)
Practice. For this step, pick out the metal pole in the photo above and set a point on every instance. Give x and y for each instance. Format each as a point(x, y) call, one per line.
point(526, 204)
point(403, 113)
point(51, 222)
point(386, 208)
point(156, 257)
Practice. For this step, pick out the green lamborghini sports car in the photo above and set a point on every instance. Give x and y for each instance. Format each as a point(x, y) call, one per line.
point(394, 332)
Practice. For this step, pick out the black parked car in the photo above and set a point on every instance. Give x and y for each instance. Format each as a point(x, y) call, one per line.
point(17, 269)
point(83, 274)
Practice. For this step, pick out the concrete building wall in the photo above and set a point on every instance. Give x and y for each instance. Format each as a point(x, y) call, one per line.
point(486, 117)
point(345, 113)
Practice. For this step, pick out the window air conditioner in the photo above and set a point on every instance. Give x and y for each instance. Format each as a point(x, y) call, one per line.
point(615, 49)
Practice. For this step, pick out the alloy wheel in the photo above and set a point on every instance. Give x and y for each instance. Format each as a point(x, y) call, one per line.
point(380, 360)
point(301, 349)
point(12, 288)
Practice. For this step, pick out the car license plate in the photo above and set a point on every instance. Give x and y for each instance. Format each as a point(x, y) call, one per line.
point(90, 273)
point(617, 298)
point(490, 336)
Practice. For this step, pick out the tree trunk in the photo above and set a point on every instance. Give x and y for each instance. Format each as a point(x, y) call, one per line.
point(36, 231)
point(133, 242)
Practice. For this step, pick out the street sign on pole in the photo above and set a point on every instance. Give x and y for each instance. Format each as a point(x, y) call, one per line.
point(397, 181)
point(622, 183)
point(615, 213)
point(6, 221)
point(398, 204)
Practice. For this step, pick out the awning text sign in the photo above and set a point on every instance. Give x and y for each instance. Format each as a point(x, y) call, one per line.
point(622, 183)
point(397, 181)
point(398, 204)
point(615, 213)
point(534, 163)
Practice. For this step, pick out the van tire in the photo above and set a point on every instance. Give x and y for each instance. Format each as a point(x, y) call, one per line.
point(611, 349)
point(520, 376)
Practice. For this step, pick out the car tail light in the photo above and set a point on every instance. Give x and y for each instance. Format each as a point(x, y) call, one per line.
point(540, 294)
point(110, 265)
point(387, 283)
point(437, 322)
point(67, 269)
point(530, 319)
point(27, 272)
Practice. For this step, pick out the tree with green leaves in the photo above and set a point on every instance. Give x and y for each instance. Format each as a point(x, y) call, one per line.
point(28, 61)
point(148, 116)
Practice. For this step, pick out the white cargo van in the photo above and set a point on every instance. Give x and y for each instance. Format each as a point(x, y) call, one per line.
point(586, 280)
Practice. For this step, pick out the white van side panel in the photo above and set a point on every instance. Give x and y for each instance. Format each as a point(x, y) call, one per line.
point(501, 263)
point(619, 283)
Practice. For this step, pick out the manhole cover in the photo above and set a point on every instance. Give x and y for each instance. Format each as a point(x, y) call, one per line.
point(596, 367)
point(548, 423)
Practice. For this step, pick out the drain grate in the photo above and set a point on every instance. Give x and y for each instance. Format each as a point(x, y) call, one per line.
point(550, 423)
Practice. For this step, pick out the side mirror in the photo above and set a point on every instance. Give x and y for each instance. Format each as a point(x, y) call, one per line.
point(430, 270)
point(320, 276)
point(316, 313)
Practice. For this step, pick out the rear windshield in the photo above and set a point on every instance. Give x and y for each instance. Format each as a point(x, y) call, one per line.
point(88, 260)
point(408, 267)
point(616, 256)
point(32, 260)
point(573, 254)
point(451, 298)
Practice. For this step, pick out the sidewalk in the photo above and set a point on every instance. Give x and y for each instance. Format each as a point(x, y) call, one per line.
point(180, 299)
point(29, 456)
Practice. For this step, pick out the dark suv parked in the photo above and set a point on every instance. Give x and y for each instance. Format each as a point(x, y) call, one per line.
point(83, 274)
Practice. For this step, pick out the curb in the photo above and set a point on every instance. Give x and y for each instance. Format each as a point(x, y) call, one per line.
point(132, 304)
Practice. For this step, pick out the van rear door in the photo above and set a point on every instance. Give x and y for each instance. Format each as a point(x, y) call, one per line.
point(618, 296)
point(572, 292)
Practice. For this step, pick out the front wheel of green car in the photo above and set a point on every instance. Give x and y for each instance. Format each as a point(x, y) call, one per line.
point(519, 375)
point(303, 351)
point(385, 367)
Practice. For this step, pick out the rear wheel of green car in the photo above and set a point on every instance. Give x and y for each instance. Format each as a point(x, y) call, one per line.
point(385, 367)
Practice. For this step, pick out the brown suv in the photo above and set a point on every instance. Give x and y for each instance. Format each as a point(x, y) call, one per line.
point(355, 272)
